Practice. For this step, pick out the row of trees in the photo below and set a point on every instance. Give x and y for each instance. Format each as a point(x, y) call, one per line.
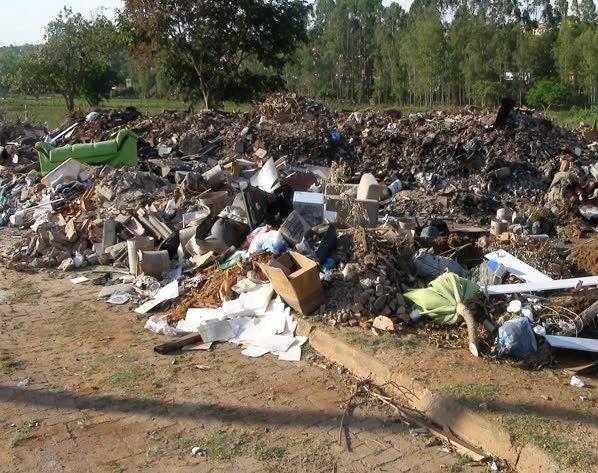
point(441, 51)
point(200, 50)
point(447, 51)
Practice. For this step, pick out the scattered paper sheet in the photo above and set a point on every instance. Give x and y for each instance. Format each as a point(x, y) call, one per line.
point(274, 342)
point(196, 317)
point(199, 346)
point(267, 177)
point(294, 351)
point(255, 351)
point(168, 292)
point(119, 298)
point(216, 331)
point(147, 306)
point(109, 290)
point(79, 280)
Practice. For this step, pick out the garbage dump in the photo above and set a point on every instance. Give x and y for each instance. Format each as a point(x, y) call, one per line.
point(227, 227)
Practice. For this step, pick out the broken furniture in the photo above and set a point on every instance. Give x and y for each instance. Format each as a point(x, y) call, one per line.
point(119, 151)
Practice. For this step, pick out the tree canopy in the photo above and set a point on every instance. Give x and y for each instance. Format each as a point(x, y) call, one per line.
point(211, 48)
point(77, 60)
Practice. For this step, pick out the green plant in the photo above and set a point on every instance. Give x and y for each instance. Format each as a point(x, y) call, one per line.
point(547, 93)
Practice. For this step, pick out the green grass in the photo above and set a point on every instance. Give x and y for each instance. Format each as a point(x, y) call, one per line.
point(85, 421)
point(53, 110)
point(23, 433)
point(471, 391)
point(224, 445)
point(7, 364)
point(572, 118)
point(538, 431)
point(239, 377)
point(384, 342)
point(127, 380)
point(263, 452)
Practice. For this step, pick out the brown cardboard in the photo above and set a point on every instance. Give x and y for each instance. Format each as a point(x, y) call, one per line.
point(302, 288)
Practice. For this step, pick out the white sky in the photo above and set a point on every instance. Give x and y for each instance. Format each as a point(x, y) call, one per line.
point(23, 21)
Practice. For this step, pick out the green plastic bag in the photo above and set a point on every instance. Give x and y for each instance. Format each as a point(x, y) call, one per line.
point(445, 301)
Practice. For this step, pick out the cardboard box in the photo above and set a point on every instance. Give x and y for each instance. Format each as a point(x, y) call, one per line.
point(301, 288)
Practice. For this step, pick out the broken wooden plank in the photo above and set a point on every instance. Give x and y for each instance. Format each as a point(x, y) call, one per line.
point(177, 344)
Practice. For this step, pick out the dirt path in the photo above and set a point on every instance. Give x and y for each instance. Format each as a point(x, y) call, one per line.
point(82, 390)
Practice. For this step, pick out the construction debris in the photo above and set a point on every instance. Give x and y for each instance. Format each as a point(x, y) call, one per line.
point(230, 224)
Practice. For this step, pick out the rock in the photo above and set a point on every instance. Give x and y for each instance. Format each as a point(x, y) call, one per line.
point(357, 307)
point(384, 324)
point(67, 265)
point(379, 303)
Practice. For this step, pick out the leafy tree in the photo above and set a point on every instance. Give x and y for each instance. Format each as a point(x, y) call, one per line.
point(587, 10)
point(587, 45)
point(9, 62)
point(566, 52)
point(207, 43)
point(77, 59)
point(547, 93)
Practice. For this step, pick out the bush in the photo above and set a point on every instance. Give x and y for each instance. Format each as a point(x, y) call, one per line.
point(547, 93)
point(487, 93)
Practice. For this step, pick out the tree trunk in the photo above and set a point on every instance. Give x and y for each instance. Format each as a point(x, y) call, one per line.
point(70, 102)
point(472, 331)
point(206, 98)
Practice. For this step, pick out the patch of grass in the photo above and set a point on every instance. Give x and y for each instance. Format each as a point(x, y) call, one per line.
point(528, 428)
point(7, 364)
point(85, 421)
point(471, 391)
point(180, 441)
point(316, 454)
point(127, 379)
point(387, 341)
point(21, 292)
point(156, 451)
point(263, 452)
point(52, 110)
point(23, 433)
point(224, 445)
point(239, 377)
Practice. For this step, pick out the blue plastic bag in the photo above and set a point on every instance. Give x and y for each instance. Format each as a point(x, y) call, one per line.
point(516, 338)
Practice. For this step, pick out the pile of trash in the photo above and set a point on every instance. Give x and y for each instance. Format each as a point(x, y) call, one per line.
point(228, 225)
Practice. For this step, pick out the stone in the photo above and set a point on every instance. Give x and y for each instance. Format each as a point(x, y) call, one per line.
point(384, 324)
point(67, 265)
point(380, 302)
point(105, 192)
point(70, 231)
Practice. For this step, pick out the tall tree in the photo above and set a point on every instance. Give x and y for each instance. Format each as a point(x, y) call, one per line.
point(207, 43)
point(587, 10)
point(77, 59)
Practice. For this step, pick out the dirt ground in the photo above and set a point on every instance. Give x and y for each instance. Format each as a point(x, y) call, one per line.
point(536, 406)
point(82, 390)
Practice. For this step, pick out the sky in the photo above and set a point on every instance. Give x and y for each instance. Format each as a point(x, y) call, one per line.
point(23, 21)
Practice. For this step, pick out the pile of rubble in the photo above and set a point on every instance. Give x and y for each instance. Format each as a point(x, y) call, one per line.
point(231, 221)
